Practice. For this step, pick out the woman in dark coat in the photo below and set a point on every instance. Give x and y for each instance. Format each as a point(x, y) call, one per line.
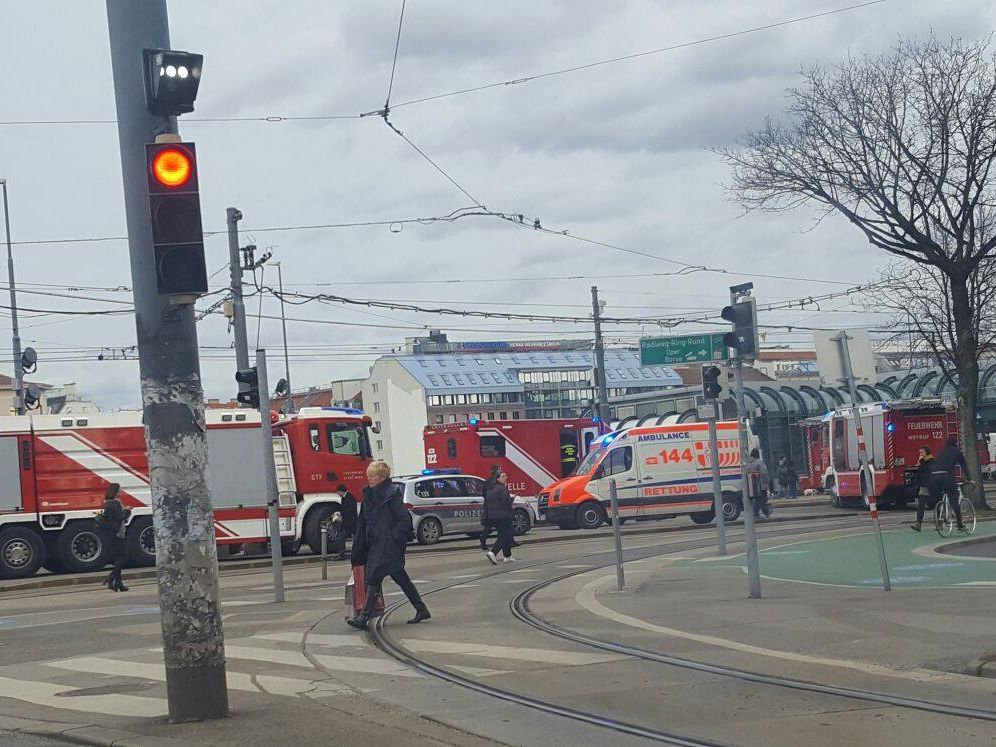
point(486, 526)
point(113, 521)
point(498, 509)
point(383, 530)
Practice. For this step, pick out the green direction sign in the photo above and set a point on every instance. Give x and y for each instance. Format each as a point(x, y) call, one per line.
point(666, 351)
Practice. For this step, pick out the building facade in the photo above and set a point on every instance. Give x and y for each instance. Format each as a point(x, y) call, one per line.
point(455, 382)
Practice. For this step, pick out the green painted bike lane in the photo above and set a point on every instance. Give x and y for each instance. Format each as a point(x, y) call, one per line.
point(853, 561)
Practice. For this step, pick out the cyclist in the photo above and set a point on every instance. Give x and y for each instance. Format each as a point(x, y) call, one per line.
point(942, 479)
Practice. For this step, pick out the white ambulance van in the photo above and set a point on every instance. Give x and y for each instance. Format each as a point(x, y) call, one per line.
point(660, 471)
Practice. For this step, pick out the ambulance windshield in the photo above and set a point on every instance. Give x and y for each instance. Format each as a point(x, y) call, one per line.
point(597, 449)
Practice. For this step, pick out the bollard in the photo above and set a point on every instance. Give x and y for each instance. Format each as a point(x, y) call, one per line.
point(616, 535)
point(325, 552)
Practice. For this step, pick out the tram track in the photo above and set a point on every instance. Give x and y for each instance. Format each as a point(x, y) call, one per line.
point(384, 641)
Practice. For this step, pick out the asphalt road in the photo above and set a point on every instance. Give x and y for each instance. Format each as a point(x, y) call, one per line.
point(297, 673)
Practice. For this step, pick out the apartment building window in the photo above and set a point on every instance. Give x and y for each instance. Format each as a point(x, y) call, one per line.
point(376, 406)
point(377, 426)
point(375, 387)
point(503, 415)
point(491, 416)
point(451, 418)
point(380, 445)
point(448, 399)
point(439, 420)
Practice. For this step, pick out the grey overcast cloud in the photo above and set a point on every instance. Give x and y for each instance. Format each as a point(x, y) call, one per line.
point(620, 153)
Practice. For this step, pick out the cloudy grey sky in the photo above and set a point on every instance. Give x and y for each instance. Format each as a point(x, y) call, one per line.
point(618, 153)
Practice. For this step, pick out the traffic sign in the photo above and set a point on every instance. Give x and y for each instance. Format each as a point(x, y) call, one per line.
point(665, 351)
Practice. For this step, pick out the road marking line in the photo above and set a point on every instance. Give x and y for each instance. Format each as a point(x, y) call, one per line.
point(538, 655)
point(570, 567)
point(147, 671)
point(468, 575)
point(586, 598)
point(478, 672)
point(55, 696)
point(366, 665)
point(318, 639)
point(517, 580)
point(466, 586)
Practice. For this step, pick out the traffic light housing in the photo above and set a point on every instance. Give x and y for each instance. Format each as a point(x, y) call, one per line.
point(249, 395)
point(175, 208)
point(743, 338)
point(711, 387)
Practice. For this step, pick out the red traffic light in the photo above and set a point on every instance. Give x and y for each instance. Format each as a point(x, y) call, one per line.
point(172, 167)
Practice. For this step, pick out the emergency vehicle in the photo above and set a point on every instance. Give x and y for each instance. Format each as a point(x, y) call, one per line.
point(533, 453)
point(660, 472)
point(894, 433)
point(54, 470)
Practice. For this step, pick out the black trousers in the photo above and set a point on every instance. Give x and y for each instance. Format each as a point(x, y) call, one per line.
point(504, 541)
point(941, 484)
point(119, 556)
point(404, 582)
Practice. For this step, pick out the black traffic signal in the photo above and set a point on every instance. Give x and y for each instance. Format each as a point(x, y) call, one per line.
point(743, 338)
point(175, 206)
point(710, 382)
point(249, 395)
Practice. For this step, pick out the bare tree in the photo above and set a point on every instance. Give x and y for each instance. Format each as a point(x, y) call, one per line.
point(903, 147)
point(919, 297)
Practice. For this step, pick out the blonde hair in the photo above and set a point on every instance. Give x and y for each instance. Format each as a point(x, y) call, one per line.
point(379, 469)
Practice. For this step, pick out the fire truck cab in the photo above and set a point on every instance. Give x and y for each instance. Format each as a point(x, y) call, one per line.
point(894, 432)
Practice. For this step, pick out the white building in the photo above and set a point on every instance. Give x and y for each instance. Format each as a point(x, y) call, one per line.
point(501, 381)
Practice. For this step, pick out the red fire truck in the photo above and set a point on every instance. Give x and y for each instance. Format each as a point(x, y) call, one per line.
point(54, 470)
point(894, 433)
point(533, 453)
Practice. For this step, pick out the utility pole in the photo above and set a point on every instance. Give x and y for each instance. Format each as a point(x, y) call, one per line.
point(603, 390)
point(270, 469)
point(859, 434)
point(289, 408)
point(15, 333)
point(172, 397)
point(753, 565)
point(233, 216)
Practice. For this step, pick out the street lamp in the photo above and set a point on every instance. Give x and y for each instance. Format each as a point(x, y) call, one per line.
point(289, 407)
point(16, 341)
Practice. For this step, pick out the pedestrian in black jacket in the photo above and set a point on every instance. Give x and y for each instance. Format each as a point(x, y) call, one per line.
point(498, 509)
point(924, 468)
point(383, 530)
point(113, 526)
point(486, 525)
point(346, 526)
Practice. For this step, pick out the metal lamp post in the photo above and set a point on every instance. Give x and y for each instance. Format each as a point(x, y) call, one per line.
point(16, 336)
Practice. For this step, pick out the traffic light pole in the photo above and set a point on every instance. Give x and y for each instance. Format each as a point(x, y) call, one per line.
point(172, 398)
point(233, 216)
point(859, 434)
point(270, 470)
point(15, 333)
point(603, 389)
point(717, 484)
point(753, 565)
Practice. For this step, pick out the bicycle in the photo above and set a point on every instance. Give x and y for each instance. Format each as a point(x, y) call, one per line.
point(944, 519)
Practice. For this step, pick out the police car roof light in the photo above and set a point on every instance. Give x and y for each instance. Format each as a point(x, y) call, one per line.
point(472, 421)
point(443, 471)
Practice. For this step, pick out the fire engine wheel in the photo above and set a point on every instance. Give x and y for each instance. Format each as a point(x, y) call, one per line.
point(429, 531)
point(290, 547)
point(313, 521)
point(590, 515)
point(81, 547)
point(141, 539)
point(520, 522)
point(21, 552)
point(731, 507)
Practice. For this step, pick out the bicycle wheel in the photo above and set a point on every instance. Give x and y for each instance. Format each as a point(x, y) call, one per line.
point(943, 523)
point(967, 514)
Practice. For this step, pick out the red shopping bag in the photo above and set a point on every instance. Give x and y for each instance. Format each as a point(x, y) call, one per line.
point(356, 593)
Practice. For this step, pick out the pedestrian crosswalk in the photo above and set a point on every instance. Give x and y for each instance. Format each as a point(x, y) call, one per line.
point(265, 664)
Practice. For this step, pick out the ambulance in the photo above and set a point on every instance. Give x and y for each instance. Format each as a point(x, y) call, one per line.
point(660, 472)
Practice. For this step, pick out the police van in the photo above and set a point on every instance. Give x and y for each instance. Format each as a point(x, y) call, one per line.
point(660, 472)
point(447, 501)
